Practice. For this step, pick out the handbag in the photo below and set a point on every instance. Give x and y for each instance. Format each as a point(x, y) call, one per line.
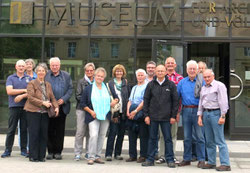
point(117, 106)
point(51, 112)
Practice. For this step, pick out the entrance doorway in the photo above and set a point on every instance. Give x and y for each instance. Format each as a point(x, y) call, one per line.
point(216, 56)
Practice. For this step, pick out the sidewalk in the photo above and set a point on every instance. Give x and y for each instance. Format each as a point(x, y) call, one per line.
point(239, 157)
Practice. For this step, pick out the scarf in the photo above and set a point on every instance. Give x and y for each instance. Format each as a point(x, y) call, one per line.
point(87, 79)
point(118, 86)
point(100, 100)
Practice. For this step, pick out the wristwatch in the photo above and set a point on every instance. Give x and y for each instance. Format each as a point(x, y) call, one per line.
point(135, 111)
point(223, 116)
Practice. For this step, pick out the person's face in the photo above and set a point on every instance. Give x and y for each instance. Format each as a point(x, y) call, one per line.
point(89, 71)
point(160, 72)
point(150, 69)
point(140, 77)
point(201, 67)
point(170, 64)
point(29, 66)
point(20, 68)
point(41, 73)
point(192, 71)
point(119, 73)
point(55, 66)
point(208, 77)
point(99, 77)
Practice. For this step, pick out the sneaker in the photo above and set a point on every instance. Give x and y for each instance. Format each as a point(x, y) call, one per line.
point(171, 165)
point(160, 161)
point(6, 154)
point(176, 161)
point(109, 158)
point(24, 153)
point(147, 163)
point(86, 156)
point(77, 158)
point(58, 156)
point(118, 157)
point(50, 156)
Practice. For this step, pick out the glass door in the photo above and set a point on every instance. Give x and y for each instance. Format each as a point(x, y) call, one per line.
point(240, 88)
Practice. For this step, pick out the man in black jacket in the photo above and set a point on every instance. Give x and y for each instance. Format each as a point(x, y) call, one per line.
point(160, 108)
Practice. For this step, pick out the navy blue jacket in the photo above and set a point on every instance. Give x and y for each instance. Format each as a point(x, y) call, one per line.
point(86, 102)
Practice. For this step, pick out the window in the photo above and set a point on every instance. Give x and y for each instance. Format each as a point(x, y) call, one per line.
point(94, 48)
point(247, 51)
point(51, 49)
point(114, 50)
point(72, 49)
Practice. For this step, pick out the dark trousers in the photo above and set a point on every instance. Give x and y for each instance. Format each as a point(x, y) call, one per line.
point(153, 140)
point(143, 133)
point(56, 133)
point(15, 114)
point(38, 134)
point(115, 129)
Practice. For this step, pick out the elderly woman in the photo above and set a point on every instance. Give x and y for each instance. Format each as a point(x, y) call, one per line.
point(96, 102)
point(137, 126)
point(30, 65)
point(120, 86)
point(81, 126)
point(40, 98)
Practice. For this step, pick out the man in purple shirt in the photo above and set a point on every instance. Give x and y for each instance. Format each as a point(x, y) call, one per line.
point(213, 106)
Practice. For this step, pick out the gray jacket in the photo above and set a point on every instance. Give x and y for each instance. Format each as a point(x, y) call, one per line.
point(81, 84)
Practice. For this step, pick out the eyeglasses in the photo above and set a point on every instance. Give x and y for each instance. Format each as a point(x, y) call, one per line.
point(89, 71)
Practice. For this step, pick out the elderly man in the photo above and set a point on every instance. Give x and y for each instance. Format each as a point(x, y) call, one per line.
point(16, 85)
point(62, 88)
point(150, 68)
point(212, 111)
point(202, 66)
point(160, 108)
point(190, 103)
point(170, 65)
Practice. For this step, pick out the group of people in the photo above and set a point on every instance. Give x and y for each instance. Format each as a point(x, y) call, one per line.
point(159, 97)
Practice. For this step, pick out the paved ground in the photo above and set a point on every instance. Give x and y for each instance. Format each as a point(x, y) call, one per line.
point(239, 157)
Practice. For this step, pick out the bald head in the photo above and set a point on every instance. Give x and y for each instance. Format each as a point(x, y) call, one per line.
point(160, 72)
point(170, 64)
point(208, 76)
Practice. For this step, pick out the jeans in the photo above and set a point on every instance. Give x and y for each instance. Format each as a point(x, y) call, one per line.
point(215, 136)
point(191, 127)
point(82, 130)
point(38, 134)
point(153, 140)
point(97, 133)
point(15, 114)
point(143, 133)
point(115, 129)
point(56, 131)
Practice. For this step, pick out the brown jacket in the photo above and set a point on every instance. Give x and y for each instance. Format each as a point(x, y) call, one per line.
point(35, 101)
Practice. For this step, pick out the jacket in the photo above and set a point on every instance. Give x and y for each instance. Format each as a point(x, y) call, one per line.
point(81, 84)
point(86, 102)
point(67, 87)
point(160, 101)
point(35, 101)
point(125, 92)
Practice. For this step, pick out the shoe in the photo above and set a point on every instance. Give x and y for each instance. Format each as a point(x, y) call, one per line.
point(108, 158)
point(118, 157)
point(147, 163)
point(176, 161)
point(208, 166)
point(24, 153)
point(6, 154)
point(223, 168)
point(141, 160)
point(58, 156)
point(42, 160)
point(201, 164)
point(99, 160)
point(77, 157)
point(171, 165)
point(184, 163)
point(33, 160)
point(86, 156)
point(160, 161)
point(50, 156)
point(131, 159)
point(157, 157)
point(90, 162)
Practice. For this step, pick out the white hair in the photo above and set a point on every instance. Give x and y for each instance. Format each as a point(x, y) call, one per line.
point(54, 59)
point(31, 61)
point(140, 70)
point(192, 62)
point(20, 62)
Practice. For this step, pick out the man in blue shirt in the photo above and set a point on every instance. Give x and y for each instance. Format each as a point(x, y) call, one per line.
point(16, 85)
point(186, 88)
point(62, 89)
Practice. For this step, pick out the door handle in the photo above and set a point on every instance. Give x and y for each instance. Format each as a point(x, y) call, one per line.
point(236, 86)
